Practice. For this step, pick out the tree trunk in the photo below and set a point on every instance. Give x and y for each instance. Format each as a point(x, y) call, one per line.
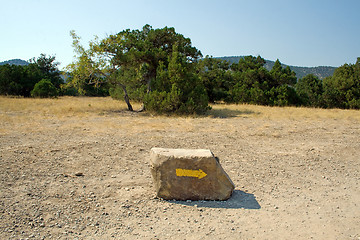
point(127, 99)
point(130, 108)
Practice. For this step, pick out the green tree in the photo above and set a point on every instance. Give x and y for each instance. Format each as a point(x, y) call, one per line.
point(135, 56)
point(283, 95)
point(11, 77)
point(88, 73)
point(32, 75)
point(44, 88)
point(342, 90)
point(248, 62)
point(48, 68)
point(177, 89)
point(251, 81)
point(18, 80)
point(216, 77)
point(254, 84)
point(310, 90)
point(282, 75)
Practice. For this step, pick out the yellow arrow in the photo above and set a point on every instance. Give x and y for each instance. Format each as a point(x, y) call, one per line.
point(190, 173)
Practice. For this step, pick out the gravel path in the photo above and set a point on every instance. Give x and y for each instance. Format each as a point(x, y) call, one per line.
point(89, 178)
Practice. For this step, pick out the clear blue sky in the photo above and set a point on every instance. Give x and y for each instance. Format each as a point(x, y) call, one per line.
point(300, 33)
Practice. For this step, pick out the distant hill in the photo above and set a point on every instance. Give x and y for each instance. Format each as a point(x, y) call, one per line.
point(15, 62)
point(321, 71)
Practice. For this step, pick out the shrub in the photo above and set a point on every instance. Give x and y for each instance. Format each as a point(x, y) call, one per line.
point(177, 102)
point(310, 90)
point(177, 89)
point(43, 89)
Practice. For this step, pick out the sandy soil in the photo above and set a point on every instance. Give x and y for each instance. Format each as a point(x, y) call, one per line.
point(88, 177)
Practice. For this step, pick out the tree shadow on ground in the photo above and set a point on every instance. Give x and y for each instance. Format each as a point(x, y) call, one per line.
point(229, 113)
point(239, 199)
point(123, 112)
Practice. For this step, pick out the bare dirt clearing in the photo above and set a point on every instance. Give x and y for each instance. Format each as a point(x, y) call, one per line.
point(78, 168)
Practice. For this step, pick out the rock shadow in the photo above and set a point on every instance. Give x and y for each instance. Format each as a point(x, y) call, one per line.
point(239, 199)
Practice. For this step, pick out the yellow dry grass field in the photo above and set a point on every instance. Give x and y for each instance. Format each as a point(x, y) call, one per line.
point(78, 168)
point(84, 106)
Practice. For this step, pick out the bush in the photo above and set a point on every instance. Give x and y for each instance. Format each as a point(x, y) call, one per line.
point(310, 91)
point(43, 89)
point(177, 102)
point(177, 89)
point(342, 90)
point(283, 95)
point(69, 92)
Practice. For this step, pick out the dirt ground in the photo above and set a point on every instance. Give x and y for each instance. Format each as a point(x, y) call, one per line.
point(86, 176)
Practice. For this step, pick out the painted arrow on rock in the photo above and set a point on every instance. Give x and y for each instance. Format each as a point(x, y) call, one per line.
point(190, 173)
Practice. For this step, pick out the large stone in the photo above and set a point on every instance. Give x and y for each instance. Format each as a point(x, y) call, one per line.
point(187, 174)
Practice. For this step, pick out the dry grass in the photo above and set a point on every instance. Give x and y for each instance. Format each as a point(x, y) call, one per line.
point(299, 113)
point(61, 107)
point(301, 165)
point(84, 106)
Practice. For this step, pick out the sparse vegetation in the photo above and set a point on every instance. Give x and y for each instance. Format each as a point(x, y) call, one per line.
point(86, 106)
point(87, 158)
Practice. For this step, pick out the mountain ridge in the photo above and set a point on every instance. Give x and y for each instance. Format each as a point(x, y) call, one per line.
point(15, 62)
